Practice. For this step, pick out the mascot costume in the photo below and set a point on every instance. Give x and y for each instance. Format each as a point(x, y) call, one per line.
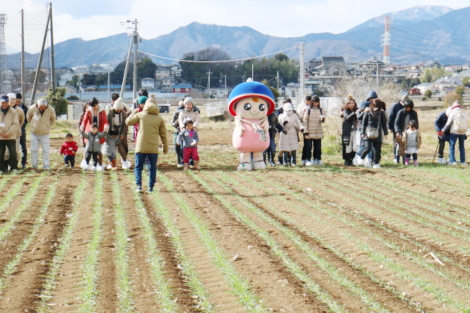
point(251, 103)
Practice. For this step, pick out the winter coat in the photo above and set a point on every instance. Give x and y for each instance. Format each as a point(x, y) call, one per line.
point(400, 121)
point(301, 108)
point(397, 107)
point(21, 118)
point(349, 124)
point(372, 119)
point(93, 141)
point(312, 121)
point(151, 129)
point(404, 144)
point(290, 141)
point(102, 121)
point(192, 114)
point(24, 107)
point(41, 122)
point(110, 144)
point(274, 125)
point(185, 135)
point(174, 121)
point(69, 148)
point(9, 123)
point(110, 118)
point(450, 125)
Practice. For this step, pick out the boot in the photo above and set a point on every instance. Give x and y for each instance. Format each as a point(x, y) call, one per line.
point(279, 158)
point(294, 158)
point(113, 165)
point(186, 167)
point(271, 158)
point(286, 159)
point(407, 161)
point(196, 165)
point(415, 162)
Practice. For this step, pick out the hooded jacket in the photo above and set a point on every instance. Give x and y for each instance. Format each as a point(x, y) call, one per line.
point(400, 126)
point(40, 123)
point(9, 123)
point(349, 123)
point(450, 125)
point(397, 107)
point(151, 128)
point(93, 143)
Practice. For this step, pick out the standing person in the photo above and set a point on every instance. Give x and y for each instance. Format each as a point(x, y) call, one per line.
point(402, 120)
point(9, 126)
point(21, 117)
point(374, 124)
point(412, 143)
point(95, 115)
point(289, 140)
point(151, 131)
point(114, 97)
point(69, 149)
point(280, 156)
point(93, 147)
point(189, 112)
point(80, 121)
point(141, 103)
point(41, 117)
point(24, 150)
point(190, 140)
point(397, 107)
point(274, 128)
point(312, 119)
point(301, 108)
point(110, 147)
point(349, 138)
point(176, 125)
point(117, 120)
point(439, 124)
point(142, 92)
point(458, 126)
point(364, 108)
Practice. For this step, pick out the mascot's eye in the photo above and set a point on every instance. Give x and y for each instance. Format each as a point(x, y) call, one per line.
point(262, 107)
point(247, 106)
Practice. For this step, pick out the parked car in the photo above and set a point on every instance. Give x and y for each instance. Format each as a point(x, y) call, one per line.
point(164, 107)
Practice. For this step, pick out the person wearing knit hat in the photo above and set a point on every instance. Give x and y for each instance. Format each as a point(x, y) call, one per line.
point(189, 112)
point(250, 103)
point(152, 132)
point(117, 120)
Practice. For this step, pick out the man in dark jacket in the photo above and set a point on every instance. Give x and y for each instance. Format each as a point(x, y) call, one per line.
point(274, 127)
point(439, 124)
point(24, 150)
point(404, 116)
point(397, 107)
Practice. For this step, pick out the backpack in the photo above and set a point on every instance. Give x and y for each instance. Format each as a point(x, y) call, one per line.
point(461, 123)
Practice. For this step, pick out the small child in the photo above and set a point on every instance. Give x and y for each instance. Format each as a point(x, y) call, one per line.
point(93, 147)
point(412, 143)
point(190, 139)
point(110, 147)
point(69, 149)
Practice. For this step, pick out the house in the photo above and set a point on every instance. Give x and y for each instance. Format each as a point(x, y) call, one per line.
point(431, 64)
point(332, 66)
point(415, 92)
point(446, 82)
point(166, 76)
point(182, 88)
point(148, 83)
point(371, 66)
point(423, 87)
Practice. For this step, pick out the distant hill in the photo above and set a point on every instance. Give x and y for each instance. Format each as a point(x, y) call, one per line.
point(418, 34)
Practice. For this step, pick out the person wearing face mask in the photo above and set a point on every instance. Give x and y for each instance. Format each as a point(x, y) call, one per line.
point(373, 126)
point(288, 140)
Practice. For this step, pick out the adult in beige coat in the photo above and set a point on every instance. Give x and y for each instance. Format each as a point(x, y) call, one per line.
point(151, 130)
point(21, 117)
point(188, 113)
point(40, 118)
point(8, 131)
point(312, 120)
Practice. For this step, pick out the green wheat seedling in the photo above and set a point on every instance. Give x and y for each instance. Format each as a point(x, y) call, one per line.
point(90, 267)
point(59, 256)
point(13, 191)
point(122, 258)
point(401, 271)
point(12, 266)
point(25, 204)
point(328, 268)
point(187, 266)
point(239, 285)
point(161, 284)
point(293, 267)
point(4, 182)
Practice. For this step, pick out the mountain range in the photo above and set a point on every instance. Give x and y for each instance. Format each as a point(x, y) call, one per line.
point(418, 34)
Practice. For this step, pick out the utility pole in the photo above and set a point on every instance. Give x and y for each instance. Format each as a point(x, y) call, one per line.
point(23, 90)
point(52, 50)
point(126, 69)
point(109, 82)
point(136, 43)
point(36, 77)
point(209, 83)
point(277, 80)
point(302, 71)
point(225, 88)
point(377, 76)
point(253, 71)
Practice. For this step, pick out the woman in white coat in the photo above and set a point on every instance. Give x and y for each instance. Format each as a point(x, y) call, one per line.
point(289, 141)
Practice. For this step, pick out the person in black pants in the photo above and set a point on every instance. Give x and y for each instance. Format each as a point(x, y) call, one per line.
point(439, 124)
point(375, 118)
point(24, 151)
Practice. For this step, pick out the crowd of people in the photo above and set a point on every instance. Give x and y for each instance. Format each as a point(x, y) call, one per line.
point(104, 131)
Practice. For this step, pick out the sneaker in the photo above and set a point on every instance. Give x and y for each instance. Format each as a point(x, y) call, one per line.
point(359, 161)
point(91, 168)
point(319, 162)
point(376, 166)
point(415, 163)
point(463, 164)
point(99, 168)
point(110, 166)
point(308, 163)
point(179, 165)
point(293, 165)
point(452, 163)
point(138, 189)
point(441, 161)
point(14, 172)
point(354, 160)
point(305, 162)
point(395, 161)
point(368, 163)
point(66, 165)
point(84, 165)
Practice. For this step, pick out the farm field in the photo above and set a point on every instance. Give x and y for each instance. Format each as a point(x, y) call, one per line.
point(317, 239)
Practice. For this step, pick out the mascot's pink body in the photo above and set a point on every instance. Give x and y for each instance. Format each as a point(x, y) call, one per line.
point(250, 140)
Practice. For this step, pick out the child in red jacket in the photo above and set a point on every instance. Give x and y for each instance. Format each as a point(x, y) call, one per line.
point(69, 149)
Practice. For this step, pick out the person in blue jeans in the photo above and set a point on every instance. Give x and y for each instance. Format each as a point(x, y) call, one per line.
point(458, 125)
point(363, 109)
point(151, 131)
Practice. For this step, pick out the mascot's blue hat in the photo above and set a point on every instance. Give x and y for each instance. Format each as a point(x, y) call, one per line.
point(250, 89)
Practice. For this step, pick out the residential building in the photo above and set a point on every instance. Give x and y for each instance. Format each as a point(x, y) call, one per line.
point(148, 83)
point(182, 88)
point(332, 66)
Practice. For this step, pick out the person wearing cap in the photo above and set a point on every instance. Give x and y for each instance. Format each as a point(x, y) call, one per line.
point(397, 107)
point(189, 112)
point(24, 150)
point(439, 124)
point(21, 118)
point(9, 126)
point(402, 120)
point(95, 114)
point(152, 132)
point(41, 117)
point(117, 119)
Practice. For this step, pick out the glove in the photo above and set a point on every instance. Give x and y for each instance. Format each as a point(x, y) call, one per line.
point(439, 133)
point(285, 123)
point(302, 130)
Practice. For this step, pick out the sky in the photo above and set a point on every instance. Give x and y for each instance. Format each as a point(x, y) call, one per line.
point(92, 19)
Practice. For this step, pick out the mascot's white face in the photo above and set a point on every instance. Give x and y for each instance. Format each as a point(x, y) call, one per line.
point(252, 108)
